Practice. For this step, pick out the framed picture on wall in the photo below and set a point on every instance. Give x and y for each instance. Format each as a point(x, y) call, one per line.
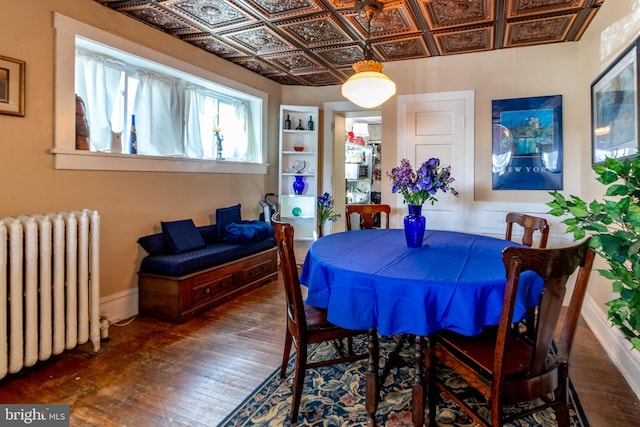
point(527, 143)
point(614, 108)
point(11, 86)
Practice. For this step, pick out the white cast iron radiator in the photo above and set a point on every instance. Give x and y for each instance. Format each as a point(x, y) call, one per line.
point(49, 286)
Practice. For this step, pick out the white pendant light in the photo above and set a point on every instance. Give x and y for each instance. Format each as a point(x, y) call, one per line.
point(368, 87)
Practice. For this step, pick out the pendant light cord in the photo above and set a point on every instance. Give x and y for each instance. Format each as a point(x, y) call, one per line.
point(368, 51)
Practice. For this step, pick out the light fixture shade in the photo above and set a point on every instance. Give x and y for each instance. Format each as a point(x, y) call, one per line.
point(368, 87)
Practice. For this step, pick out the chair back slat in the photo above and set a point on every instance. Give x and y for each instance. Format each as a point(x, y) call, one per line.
point(508, 364)
point(295, 303)
point(366, 214)
point(529, 224)
point(554, 267)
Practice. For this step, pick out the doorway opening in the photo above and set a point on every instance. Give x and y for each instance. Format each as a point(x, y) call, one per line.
point(357, 156)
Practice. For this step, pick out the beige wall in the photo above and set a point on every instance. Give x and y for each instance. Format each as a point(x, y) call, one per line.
point(615, 27)
point(131, 204)
point(565, 69)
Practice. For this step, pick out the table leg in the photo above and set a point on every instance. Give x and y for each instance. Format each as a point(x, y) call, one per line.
point(372, 394)
point(418, 396)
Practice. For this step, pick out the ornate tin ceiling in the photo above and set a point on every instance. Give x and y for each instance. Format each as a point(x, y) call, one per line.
point(315, 42)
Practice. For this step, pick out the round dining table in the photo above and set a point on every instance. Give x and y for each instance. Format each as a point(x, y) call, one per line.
point(371, 280)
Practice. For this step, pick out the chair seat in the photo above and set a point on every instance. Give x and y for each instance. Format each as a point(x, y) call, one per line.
point(317, 319)
point(480, 350)
point(519, 385)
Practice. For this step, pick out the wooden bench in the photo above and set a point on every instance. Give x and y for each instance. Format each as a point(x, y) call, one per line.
point(179, 299)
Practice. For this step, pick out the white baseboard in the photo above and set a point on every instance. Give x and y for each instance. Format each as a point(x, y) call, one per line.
point(614, 343)
point(120, 306)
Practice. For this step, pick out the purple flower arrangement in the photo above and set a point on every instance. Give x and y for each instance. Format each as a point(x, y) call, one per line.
point(422, 184)
point(325, 209)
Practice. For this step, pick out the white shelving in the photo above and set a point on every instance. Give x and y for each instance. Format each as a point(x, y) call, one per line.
point(299, 157)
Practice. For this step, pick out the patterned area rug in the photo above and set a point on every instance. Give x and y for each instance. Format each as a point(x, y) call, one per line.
point(334, 396)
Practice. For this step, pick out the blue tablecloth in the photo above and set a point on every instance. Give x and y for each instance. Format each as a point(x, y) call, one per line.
point(370, 278)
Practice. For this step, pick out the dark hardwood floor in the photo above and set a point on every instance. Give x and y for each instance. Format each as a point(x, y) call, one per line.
point(153, 373)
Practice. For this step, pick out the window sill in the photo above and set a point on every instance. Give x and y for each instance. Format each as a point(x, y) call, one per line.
point(90, 160)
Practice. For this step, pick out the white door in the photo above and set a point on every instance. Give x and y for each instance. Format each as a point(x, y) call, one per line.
point(440, 125)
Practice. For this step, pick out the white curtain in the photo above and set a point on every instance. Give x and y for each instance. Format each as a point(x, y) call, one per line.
point(172, 117)
point(97, 82)
point(159, 115)
point(238, 144)
point(254, 148)
point(201, 116)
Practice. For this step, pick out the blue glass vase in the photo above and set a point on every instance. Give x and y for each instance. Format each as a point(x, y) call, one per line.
point(414, 226)
point(298, 184)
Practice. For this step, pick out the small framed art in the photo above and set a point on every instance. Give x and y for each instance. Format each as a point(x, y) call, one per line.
point(614, 108)
point(11, 86)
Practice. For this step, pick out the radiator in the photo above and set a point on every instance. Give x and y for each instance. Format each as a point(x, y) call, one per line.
point(49, 286)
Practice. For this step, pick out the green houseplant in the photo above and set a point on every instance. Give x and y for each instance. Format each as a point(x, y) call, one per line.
point(614, 225)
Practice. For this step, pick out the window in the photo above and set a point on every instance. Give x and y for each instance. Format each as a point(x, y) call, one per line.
point(176, 108)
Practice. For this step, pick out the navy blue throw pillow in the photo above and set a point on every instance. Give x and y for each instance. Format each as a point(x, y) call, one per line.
point(209, 233)
point(226, 216)
point(182, 236)
point(153, 243)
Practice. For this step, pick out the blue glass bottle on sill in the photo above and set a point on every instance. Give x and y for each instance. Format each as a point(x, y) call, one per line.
point(133, 139)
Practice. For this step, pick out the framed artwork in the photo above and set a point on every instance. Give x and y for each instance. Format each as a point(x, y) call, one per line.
point(614, 108)
point(11, 86)
point(527, 143)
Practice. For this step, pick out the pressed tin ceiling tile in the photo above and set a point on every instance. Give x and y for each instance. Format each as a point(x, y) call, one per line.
point(315, 31)
point(472, 40)
point(315, 42)
point(531, 32)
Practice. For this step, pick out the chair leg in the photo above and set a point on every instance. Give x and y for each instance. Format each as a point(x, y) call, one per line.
point(562, 410)
point(432, 389)
point(287, 352)
point(418, 391)
point(298, 381)
point(372, 393)
point(497, 414)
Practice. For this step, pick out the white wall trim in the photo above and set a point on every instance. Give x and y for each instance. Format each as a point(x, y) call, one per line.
point(90, 160)
point(120, 306)
point(614, 343)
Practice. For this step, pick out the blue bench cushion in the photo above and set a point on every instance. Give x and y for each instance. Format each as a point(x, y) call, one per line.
point(199, 259)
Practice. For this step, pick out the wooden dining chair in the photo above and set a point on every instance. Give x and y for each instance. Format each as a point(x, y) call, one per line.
point(501, 362)
point(306, 324)
point(529, 224)
point(366, 214)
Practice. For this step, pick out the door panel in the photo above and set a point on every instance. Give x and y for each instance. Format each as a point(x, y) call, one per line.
point(434, 125)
